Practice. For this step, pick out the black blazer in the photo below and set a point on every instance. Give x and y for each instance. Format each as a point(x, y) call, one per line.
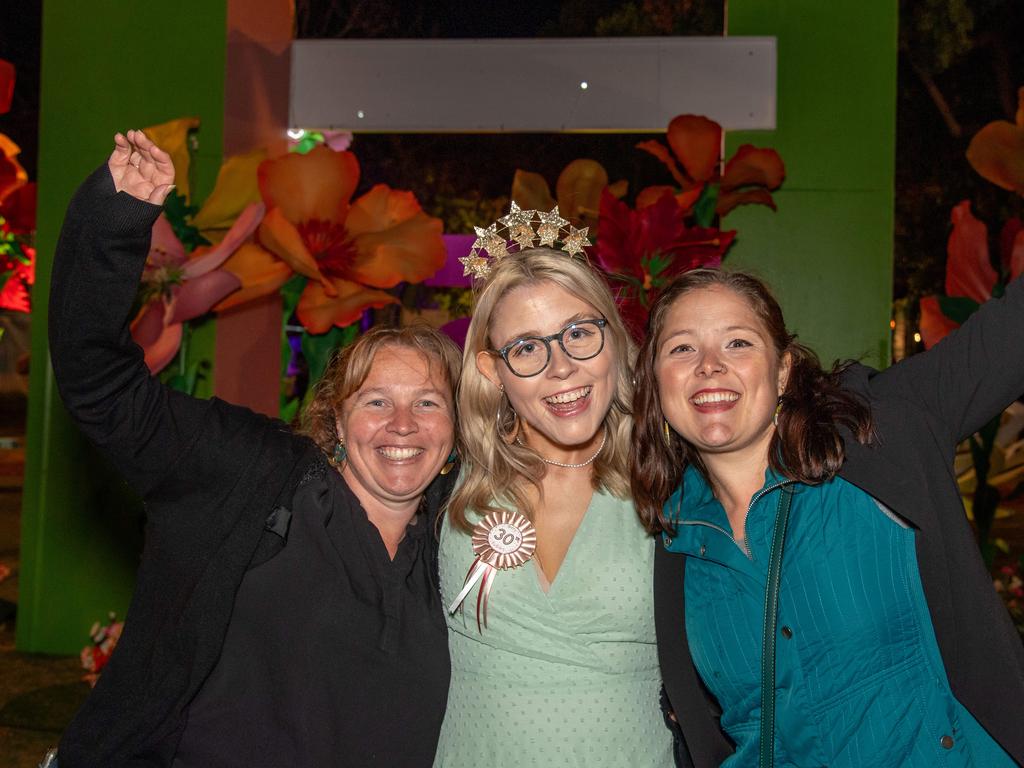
point(923, 407)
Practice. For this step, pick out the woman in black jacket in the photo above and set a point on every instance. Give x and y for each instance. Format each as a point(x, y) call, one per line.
point(891, 647)
point(286, 610)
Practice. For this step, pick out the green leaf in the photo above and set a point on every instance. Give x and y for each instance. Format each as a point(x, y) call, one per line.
point(290, 293)
point(179, 213)
point(704, 208)
point(318, 349)
point(957, 308)
point(289, 410)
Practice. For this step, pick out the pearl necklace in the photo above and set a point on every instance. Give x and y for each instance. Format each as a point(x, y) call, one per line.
point(597, 453)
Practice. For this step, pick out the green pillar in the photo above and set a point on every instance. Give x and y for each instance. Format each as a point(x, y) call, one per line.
point(827, 251)
point(107, 66)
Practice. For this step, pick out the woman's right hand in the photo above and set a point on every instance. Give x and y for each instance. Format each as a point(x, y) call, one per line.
point(140, 168)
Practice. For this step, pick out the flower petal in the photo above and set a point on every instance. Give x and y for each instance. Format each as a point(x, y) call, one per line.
point(934, 325)
point(7, 77)
point(19, 208)
point(236, 188)
point(618, 248)
point(195, 297)
point(259, 272)
point(751, 166)
point(729, 200)
point(14, 295)
point(240, 231)
point(619, 188)
point(318, 312)
point(579, 191)
point(662, 152)
point(165, 249)
point(697, 142)
point(997, 153)
point(531, 192)
point(316, 185)
point(650, 195)
point(12, 175)
point(1012, 251)
point(380, 209)
point(968, 269)
point(159, 342)
point(408, 252)
point(279, 236)
point(172, 138)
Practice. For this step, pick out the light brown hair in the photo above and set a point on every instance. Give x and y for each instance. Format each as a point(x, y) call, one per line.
point(350, 366)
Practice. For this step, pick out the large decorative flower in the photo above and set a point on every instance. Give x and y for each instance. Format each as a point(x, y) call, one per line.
point(578, 188)
point(347, 249)
point(997, 151)
point(970, 277)
point(7, 76)
point(644, 249)
point(177, 287)
point(695, 143)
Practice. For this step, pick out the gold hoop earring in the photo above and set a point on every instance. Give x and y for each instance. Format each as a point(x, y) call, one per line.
point(668, 433)
point(778, 410)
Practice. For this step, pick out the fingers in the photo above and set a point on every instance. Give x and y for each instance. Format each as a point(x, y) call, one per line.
point(160, 193)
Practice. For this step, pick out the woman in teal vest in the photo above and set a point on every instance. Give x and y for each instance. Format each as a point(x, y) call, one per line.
point(818, 525)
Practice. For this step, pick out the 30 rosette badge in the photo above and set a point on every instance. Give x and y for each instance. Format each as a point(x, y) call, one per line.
point(502, 540)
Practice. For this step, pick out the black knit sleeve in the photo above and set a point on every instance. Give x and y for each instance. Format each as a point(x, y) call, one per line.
point(142, 426)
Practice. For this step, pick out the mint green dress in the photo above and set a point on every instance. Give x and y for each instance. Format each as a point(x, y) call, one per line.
point(567, 677)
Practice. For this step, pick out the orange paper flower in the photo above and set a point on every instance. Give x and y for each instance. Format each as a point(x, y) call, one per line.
point(578, 188)
point(997, 151)
point(348, 249)
point(693, 157)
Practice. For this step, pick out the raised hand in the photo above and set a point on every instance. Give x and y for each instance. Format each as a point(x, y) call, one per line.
point(140, 168)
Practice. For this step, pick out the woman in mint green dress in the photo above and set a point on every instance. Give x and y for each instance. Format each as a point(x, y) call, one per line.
point(544, 566)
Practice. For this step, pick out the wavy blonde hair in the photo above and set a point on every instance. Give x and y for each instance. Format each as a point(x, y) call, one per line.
point(349, 367)
point(498, 471)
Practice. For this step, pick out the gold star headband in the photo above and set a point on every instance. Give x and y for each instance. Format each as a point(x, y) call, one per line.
point(516, 230)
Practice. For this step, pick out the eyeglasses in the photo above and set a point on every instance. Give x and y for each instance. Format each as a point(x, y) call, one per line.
point(529, 355)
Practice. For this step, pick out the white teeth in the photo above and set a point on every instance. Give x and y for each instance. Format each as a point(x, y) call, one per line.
point(398, 454)
point(714, 397)
point(569, 397)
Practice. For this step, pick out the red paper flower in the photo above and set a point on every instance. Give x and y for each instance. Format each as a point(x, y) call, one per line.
point(970, 277)
point(642, 250)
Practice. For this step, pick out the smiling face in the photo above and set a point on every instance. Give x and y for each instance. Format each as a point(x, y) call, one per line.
point(563, 407)
point(398, 428)
point(719, 375)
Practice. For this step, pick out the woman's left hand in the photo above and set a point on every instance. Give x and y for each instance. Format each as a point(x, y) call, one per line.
point(140, 168)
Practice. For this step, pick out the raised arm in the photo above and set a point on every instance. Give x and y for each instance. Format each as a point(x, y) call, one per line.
point(972, 374)
point(137, 422)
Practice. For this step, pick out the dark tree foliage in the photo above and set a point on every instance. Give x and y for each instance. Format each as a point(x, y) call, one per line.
point(960, 65)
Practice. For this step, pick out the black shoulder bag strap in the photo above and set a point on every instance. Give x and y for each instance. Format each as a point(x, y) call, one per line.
point(771, 618)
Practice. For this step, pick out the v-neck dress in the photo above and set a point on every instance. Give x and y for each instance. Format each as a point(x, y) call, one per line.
point(567, 677)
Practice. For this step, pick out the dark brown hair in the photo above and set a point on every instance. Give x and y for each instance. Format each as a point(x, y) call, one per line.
point(350, 366)
point(807, 445)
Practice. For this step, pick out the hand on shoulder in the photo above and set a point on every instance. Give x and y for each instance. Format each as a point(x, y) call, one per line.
point(140, 168)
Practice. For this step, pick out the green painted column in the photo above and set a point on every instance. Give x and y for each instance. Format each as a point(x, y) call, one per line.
point(107, 65)
point(828, 249)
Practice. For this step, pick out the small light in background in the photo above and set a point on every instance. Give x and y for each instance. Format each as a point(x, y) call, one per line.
point(917, 337)
point(584, 85)
point(892, 325)
point(296, 133)
point(360, 114)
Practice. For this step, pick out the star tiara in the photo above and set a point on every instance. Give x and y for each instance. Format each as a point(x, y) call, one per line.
point(516, 231)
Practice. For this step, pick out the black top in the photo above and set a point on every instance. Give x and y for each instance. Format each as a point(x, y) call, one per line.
point(335, 655)
point(217, 481)
point(923, 407)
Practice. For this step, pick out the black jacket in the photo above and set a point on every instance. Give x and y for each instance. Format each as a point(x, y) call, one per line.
point(216, 479)
point(923, 408)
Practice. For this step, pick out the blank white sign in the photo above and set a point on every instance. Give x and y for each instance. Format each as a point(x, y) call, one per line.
point(547, 84)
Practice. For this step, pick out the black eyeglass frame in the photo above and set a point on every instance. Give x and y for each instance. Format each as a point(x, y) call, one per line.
point(600, 322)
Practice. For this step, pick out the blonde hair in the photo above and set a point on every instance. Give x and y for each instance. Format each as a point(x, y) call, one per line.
point(350, 366)
point(500, 471)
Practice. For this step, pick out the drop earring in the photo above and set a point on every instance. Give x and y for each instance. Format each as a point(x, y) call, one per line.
point(453, 457)
point(340, 454)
